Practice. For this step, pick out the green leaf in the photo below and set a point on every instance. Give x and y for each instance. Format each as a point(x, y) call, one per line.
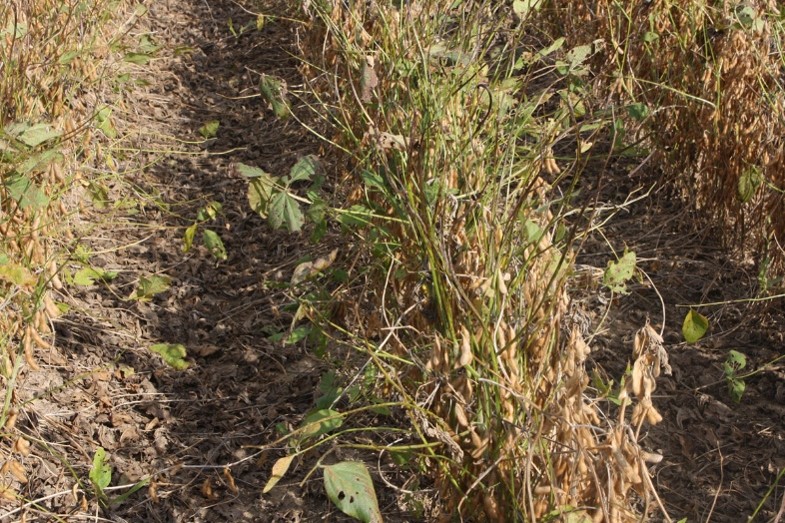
point(26, 193)
point(103, 117)
point(349, 487)
point(639, 111)
point(38, 134)
point(274, 91)
point(172, 353)
point(188, 237)
point(618, 273)
point(305, 168)
point(149, 287)
point(101, 471)
point(284, 209)
point(210, 129)
point(250, 171)
point(748, 184)
point(694, 327)
point(321, 422)
point(137, 58)
point(214, 244)
point(356, 216)
point(87, 276)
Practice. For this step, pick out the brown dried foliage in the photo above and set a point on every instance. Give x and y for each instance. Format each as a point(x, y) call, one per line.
point(712, 75)
point(506, 397)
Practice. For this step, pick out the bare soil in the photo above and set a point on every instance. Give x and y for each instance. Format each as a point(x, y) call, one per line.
point(197, 432)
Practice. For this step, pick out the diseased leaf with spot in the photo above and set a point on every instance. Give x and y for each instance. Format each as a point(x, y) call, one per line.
point(618, 273)
point(348, 485)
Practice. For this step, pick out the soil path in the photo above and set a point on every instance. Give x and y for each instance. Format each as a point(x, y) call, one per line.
point(192, 429)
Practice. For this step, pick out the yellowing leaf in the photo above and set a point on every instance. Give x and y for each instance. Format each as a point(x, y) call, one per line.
point(17, 274)
point(694, 327)
point(279, 469)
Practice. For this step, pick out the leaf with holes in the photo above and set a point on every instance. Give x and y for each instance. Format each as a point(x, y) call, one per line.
point(694, 327)
point(618, 273)
point(349, 487)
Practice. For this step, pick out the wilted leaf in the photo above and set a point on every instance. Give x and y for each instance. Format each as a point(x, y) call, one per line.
point(274, 91)
point(618, 273)
point(694, 327)
point(210, 129)
point(748, 184)
point(279, 469)
point(284, 209)
point(368, 80)
point(173, 354)
point(214, 244)
point(309, 269)
point(349, 487)
point(100, 472)
point(188, 237)
point(736, 388)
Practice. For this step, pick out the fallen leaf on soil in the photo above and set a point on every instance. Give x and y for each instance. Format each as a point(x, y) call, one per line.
point(15, 469)
point(279, 469)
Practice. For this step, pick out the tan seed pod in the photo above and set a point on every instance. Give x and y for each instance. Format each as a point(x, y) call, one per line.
point(466, 348)
point(22, 446)
point(460, 415)
point(10, 421)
